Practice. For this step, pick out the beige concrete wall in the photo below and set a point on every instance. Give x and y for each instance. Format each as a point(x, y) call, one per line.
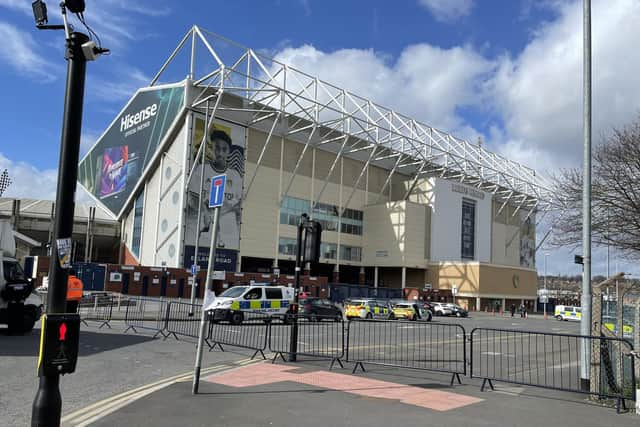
point(395, 234)
point(484, 279)
point(506, 234)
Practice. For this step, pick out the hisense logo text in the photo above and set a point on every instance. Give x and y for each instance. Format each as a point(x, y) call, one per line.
point(133, 119)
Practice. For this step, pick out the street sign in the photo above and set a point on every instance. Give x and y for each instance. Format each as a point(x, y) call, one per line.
point(218, 275)
point(428, 286)
point(194, 269)
point(454, 290)
point(544, 299)
point(216, 196)
point(59, 340)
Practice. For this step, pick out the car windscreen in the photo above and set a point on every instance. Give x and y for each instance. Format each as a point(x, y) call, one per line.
point(234, 292)
point(13, 272)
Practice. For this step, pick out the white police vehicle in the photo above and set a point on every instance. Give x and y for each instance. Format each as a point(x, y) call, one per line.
point(239, 301)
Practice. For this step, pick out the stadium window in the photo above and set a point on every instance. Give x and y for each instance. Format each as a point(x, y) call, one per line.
point(137, 224)
point(468, 234)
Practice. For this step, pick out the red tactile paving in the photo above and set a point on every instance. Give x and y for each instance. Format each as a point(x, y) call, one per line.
point(265, 373)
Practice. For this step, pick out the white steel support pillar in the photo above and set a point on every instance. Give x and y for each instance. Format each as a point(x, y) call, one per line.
point(404, 277)
point(478, 304)
point(375, 276)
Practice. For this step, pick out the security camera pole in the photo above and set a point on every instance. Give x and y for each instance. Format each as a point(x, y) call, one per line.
point(585, 322)
point(47, 404)
point(216, 198)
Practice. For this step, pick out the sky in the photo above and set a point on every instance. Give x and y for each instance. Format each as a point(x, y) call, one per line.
point(508, 71)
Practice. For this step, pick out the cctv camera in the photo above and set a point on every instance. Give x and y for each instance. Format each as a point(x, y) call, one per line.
point(40, 12)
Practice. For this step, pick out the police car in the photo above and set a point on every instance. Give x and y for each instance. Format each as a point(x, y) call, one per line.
point(237, 302)
point(368, 309)
point(568, 312)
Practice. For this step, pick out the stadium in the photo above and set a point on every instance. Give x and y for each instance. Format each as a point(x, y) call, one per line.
point(402, 204)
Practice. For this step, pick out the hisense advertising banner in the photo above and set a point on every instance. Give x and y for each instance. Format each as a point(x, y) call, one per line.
point(113, 167)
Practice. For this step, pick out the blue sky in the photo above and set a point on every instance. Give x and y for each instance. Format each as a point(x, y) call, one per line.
point(506, 70)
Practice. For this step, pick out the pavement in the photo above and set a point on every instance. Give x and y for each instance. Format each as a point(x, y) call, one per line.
point(135, 380)
point(306, 393)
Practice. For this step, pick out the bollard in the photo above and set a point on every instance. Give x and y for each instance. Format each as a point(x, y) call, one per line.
point(493, 312)
point(119, 298)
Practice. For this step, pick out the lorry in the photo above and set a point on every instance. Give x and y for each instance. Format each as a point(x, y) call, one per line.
point(19, 310)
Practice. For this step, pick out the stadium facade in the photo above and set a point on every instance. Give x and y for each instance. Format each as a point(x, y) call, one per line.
point(402, 204)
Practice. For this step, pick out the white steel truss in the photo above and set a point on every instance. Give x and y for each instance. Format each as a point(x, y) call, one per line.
point(263, 93)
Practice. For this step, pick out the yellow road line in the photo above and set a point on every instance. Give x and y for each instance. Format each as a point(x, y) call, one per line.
point(113, 400)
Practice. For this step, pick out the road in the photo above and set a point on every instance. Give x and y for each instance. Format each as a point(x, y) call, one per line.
point(112, 362)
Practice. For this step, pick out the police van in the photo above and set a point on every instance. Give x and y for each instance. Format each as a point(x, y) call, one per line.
point(568, 312)
point(239, 301)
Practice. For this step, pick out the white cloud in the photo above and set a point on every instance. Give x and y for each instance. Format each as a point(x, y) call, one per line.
point(19, 50)
point(115, 90)
point(448, 10)
point(425, 82)
point(538, 94)
point(19, 5)
point(27, 181)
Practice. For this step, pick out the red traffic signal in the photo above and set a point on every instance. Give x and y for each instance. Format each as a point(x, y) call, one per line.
point(63, 331)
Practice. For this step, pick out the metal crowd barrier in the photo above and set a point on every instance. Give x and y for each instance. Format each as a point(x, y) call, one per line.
point(147, 313)
point(426, 346)
point(98, 308)
point(552, 361)
point(183, 319)
point(318, 337)
point(252, 333)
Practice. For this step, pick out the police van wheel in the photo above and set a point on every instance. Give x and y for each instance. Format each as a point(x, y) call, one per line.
point(369, 316)
point(236, 318)
point(559, 317)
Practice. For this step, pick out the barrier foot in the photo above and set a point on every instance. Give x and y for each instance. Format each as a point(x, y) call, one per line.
point(356, 367)
point(85, 322)
point(169, 334)
point(212, 347)
point(161, 333)
point(103, 324)
point(333, 361)
point(130, 327)
point(276, 357)
point(484, 382)
point(453, 377)
point(256, 353)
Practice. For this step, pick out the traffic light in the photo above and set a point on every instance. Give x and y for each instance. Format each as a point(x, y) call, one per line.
point(313, 240)
point(578, 259)
point(59, 339)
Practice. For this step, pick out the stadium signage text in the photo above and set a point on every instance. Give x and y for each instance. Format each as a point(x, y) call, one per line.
point(457, 188)
point(133, 119)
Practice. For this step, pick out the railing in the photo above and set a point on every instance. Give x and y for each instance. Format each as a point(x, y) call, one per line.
point(252, 334)
point(147, 313)
point(182, 319)
point(552, 361)
point(98, 308)
point(426, 346)
point(317, 337)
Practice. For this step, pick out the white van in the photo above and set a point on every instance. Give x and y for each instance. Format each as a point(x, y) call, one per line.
point(259, 299)
point(568, 312)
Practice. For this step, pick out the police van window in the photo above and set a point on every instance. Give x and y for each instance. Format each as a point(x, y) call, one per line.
point(274, 293)
point(578, 310)
point(234, 292)
point(12, 272)
point(255, 293)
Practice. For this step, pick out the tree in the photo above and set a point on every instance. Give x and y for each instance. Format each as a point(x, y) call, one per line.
point(615, 195)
